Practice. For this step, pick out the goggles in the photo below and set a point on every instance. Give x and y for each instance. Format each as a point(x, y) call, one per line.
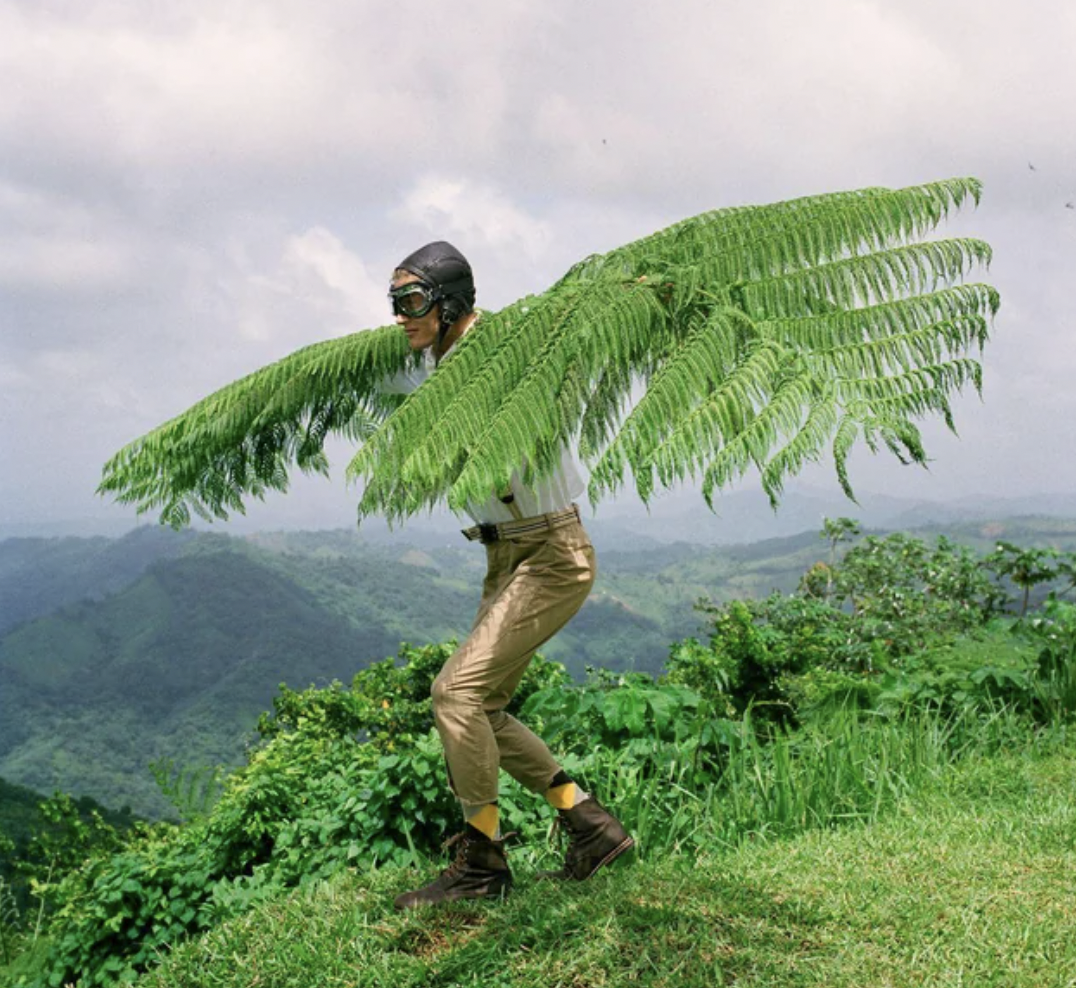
point(413, 300)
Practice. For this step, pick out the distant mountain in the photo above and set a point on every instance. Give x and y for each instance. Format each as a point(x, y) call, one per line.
point(182, 659)
point(37, 575)
point(680, 515)
point(747, 516)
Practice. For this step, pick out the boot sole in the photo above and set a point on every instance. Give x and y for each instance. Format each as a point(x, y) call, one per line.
point(498, 894)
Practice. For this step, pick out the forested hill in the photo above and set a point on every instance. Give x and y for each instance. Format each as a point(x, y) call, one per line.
point(115, 653)
point(39, 575)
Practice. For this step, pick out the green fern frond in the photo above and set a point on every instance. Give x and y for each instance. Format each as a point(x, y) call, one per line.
point(239, 441)
point(780, 417)
point(694, 401)
point(763, 240)
point(752, 337)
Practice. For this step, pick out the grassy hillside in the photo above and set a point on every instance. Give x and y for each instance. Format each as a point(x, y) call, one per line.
point(971, 883)
point(822, 794)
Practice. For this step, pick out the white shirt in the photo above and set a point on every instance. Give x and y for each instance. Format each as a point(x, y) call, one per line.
point(553, 493)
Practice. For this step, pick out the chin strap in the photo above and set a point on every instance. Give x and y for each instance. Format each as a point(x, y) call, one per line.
point(442, 332)
point(446, 325)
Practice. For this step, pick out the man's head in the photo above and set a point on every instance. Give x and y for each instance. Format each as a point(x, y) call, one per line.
point(432, 289)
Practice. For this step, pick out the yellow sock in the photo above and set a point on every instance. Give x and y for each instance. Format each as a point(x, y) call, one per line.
point(562, 797)
point(486, 818)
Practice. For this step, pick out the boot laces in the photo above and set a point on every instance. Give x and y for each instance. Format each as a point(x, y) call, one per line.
point(459, 842)
point(563, 823)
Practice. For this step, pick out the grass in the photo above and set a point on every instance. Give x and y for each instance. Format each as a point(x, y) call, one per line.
point(971, 883)
point(844, 768)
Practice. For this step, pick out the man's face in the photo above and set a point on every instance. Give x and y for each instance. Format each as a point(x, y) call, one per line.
point(422, 330)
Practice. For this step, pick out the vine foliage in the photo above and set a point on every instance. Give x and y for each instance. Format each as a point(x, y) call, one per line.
point(755, 337)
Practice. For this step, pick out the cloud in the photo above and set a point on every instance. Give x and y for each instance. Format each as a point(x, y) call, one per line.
point(192, 86)
point(327, 285)
point(287, 93)
point(481, 214)
point(53, 243)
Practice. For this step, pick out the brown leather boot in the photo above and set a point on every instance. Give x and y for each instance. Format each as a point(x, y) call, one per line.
point(595, 837)
point(479, 871)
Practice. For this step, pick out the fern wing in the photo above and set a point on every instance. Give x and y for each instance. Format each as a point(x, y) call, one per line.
point(242, 440)
point(745, 338)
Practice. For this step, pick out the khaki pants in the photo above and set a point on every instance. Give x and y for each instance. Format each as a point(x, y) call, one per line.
point(533, 585)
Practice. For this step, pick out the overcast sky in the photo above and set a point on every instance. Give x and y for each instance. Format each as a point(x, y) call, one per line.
point(189, 191)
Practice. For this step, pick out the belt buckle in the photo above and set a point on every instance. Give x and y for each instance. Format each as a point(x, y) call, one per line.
point(487, 533)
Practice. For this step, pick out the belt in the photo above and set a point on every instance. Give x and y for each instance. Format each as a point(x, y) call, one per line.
point(494, 532)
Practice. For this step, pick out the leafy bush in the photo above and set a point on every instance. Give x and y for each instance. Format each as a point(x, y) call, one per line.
point(1054, 632)
point(304, 806)
point(906, 595)
point(759, 652)
point(116, 912)
point(10, 917)
point(192, 790)
point(51, 836)
point(844, 637)
point(388, 701)
point(611, 712)
point(1028, 667)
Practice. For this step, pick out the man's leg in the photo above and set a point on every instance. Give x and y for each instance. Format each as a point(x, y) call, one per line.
point(595, 836)
point(533, 588)
point(545, 591)
point(520, 610)
point(536, 585)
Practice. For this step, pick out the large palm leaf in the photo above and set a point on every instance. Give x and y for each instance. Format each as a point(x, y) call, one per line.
point(755, 337)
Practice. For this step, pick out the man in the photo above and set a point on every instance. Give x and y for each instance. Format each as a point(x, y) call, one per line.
point(540, 570)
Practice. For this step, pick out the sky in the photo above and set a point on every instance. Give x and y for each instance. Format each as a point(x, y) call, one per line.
point(190, 191)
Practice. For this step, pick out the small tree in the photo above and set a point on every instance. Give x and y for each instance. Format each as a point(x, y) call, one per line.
point(905, 593)
point(1026, 568)
point(818, 580)
point(1066, 572)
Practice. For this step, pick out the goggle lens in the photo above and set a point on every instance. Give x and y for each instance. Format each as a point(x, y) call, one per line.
point(413, 300)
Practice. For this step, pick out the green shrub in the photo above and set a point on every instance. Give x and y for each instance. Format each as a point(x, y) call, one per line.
point(758, 650)
point(1053, 631)
point(10, 917)
point(575, 718)
point(906, 595)
point(1027, 666)
point(388, 701)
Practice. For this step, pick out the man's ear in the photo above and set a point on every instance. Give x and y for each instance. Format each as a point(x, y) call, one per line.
point(452, 309)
